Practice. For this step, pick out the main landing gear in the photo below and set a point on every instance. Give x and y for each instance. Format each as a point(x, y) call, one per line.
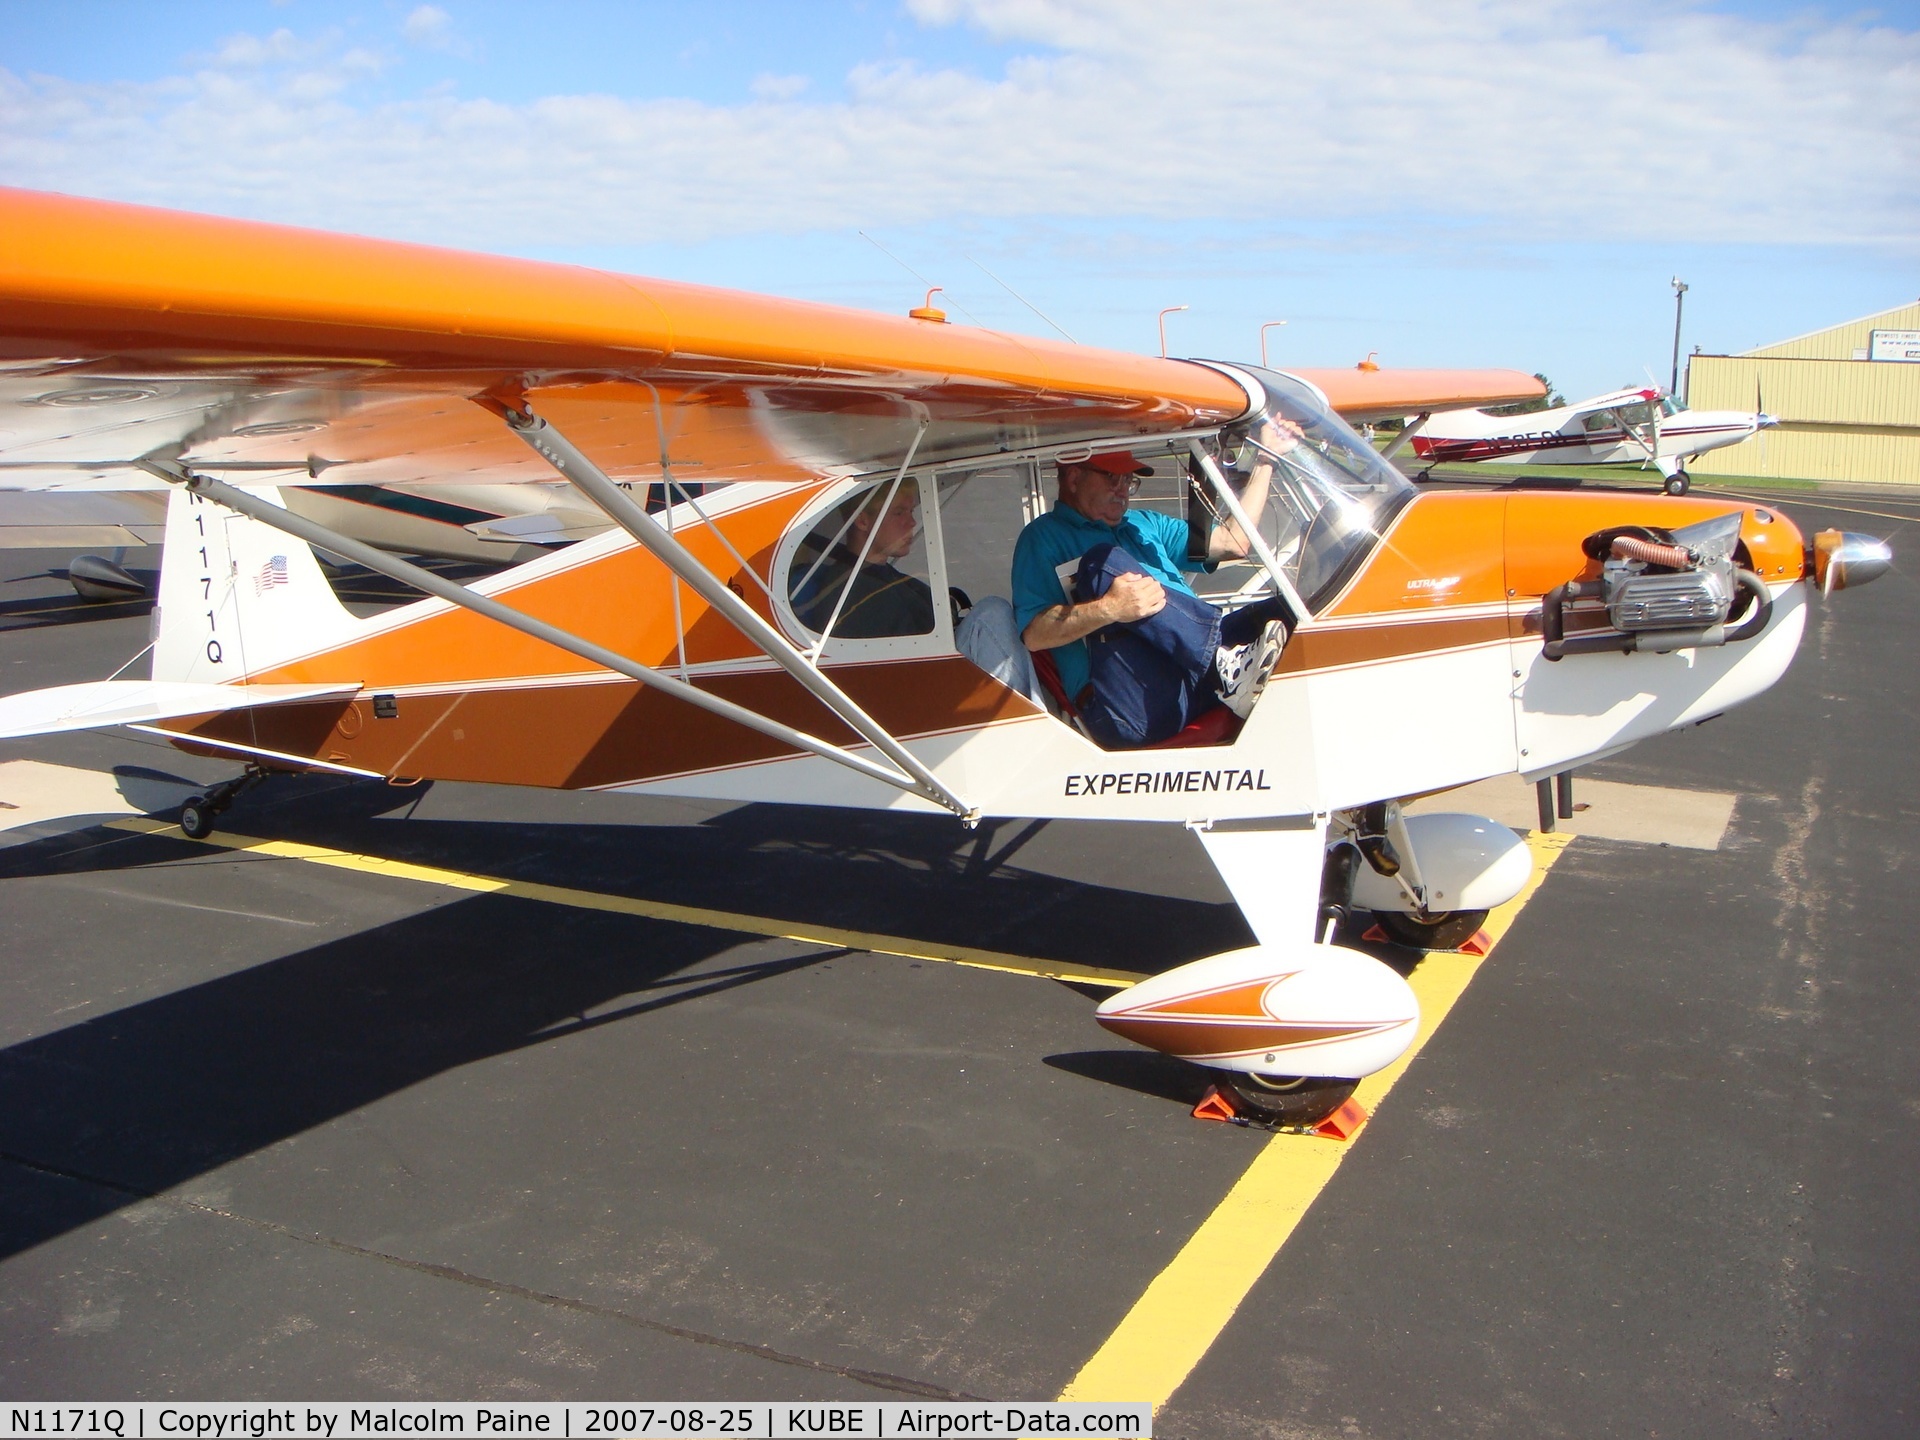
point(1303, 1100)
point(1677, 483)
point(1448, 930)
point(199, 812)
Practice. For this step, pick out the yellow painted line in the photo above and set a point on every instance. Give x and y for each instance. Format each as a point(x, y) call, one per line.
point(651, 909)
point(1173, 1325)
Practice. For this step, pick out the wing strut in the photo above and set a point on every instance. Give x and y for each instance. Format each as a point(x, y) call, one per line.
point(1224, 493)
point(1418, 424)
point(395, 568)
point(592, 481)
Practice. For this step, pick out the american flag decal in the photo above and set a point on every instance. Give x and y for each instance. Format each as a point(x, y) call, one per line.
point(273, 573)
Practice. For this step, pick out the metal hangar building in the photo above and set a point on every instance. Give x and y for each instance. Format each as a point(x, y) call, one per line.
point(1847, 399)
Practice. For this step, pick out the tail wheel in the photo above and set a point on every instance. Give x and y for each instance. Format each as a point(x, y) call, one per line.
point(1448, 931)
point(196, 817)
point(1677, 483)
point(1290, 1099)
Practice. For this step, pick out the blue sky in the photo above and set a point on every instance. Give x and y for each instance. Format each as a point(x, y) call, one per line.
point(1481, 182)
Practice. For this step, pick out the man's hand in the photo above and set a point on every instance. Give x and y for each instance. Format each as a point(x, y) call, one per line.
point(1279, 436)
point(1131, 597)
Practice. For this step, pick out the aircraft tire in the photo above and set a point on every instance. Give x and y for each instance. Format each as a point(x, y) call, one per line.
point(1289, 1099)
point(1678, 484)
point(1448, 931)
point(196, 818)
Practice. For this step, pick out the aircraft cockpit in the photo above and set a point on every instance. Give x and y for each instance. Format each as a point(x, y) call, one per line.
point(1333, 496)
point(888, 566)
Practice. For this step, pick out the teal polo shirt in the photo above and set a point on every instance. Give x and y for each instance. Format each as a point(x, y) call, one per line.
point(1061, 537)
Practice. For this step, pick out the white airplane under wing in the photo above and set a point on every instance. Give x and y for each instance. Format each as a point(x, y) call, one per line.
point(1642, 427)
point(64, 520)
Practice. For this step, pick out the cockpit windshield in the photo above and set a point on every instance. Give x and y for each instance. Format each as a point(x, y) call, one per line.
point(1333, 495)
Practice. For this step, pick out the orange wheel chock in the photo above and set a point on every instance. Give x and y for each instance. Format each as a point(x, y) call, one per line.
point(1344, 1123)
point(1478, 946)
point(1377, 936)
point(1216, 1104)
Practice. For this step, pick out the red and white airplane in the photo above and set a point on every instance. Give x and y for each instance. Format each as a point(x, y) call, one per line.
point(1642, 427)
point(1435, 639)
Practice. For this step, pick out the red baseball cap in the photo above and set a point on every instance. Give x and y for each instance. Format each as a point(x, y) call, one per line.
point(1112, 462)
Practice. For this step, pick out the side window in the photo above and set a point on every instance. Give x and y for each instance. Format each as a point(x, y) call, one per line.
point(1599, 421)
point(860, 571)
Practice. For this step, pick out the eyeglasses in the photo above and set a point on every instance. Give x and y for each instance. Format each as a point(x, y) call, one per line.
point(1132, 482)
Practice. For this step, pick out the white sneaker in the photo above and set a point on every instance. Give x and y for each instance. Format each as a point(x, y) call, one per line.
point(1243, 669)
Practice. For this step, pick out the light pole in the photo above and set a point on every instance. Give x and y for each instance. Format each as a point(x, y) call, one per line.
point(1163, 326)
point(1679, 294)
point(1271, 324)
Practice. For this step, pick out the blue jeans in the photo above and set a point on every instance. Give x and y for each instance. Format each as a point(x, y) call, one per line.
point(990, 638)
point(1153, 677)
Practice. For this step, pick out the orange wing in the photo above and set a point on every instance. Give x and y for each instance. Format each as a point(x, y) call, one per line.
point(1364, 395)
point(126, 331)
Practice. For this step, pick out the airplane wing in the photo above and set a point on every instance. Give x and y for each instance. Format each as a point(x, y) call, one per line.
point(297, 357)
point(1362, 395)
point(1613, 400)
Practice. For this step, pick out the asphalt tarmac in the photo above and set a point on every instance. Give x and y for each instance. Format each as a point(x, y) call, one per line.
point(280, 1129)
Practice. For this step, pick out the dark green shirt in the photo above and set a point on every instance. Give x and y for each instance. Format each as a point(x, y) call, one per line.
point(884, 601)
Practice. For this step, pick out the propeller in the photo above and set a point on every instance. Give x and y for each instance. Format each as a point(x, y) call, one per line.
point(1762, 422)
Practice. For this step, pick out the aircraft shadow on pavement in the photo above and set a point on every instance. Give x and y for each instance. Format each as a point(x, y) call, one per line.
point(153, 1095)
point(1144, 1072)
point(148, 1097)
point(924, 877)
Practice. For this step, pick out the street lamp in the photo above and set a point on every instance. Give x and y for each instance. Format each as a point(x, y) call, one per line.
point(1271, 324)
point(1163, 326)
point(1679, 292)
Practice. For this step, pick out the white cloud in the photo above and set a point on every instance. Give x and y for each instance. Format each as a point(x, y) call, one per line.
point(1548, 118)
point(779, 87)
point(428, 26)
point(431, 28)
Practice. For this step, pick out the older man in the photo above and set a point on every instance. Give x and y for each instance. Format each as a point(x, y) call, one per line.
point(1102, 586)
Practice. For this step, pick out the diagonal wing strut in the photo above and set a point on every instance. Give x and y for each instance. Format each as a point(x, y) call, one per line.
point(1413, 428)
point(593, 482)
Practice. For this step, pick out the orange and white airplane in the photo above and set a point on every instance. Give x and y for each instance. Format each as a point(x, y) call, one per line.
point(693, 651)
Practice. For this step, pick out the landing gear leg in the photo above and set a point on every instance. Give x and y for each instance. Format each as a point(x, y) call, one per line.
point(200, 811)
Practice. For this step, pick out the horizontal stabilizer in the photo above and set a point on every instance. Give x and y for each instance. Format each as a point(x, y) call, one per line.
point(141, 702)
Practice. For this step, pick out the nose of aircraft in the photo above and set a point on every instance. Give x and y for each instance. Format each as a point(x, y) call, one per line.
point(1843, 558)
